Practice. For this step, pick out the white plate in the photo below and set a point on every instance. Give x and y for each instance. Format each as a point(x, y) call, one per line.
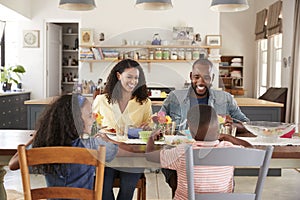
point(174, 140)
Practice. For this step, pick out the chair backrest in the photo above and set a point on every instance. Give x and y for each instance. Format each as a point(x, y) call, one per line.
point(278, 95)
point(63, 155)
point(229, 156)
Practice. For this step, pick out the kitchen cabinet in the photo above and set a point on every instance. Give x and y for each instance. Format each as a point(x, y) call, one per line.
point(13, 113)
point(231, 74)
point(69, 68)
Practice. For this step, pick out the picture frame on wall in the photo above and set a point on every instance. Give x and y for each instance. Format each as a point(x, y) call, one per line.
point(213, 40)
point(86, 36)
point(31, 38)
point(183, 33)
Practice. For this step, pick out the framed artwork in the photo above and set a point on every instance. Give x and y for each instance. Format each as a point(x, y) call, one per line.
point(31, 38)
point(213, 40)
point(86, 36)
point(183, 33)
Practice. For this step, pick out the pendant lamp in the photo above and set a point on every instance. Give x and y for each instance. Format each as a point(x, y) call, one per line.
point(229, 5)
point(77, 5)
point(154, 4)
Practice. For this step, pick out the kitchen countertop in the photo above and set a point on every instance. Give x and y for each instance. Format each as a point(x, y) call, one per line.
point(240, 101)
point(245, 102)
point(7, 93)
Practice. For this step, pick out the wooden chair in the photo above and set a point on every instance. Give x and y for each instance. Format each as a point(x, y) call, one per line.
point(228, 157)
point(141, 187)
point(278, 95)
point(50, 155)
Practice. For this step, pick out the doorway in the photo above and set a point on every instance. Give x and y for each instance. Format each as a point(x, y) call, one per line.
point(61, 57)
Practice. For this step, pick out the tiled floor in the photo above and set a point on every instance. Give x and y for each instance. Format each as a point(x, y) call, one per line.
point(285, 187)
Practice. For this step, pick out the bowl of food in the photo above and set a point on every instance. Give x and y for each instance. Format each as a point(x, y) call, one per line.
point(269, 131)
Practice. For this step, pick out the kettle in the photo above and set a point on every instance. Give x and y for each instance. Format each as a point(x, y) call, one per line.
point(156, 39)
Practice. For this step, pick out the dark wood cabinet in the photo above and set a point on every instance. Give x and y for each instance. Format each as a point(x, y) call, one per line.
point(13, 112)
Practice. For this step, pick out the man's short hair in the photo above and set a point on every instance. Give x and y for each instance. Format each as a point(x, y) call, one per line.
point(203, 61)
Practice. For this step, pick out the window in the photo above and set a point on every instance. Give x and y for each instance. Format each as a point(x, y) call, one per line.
point(269, 63)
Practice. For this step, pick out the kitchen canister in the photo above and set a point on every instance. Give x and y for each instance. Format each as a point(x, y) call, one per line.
point(158, 54)
point(165, 54)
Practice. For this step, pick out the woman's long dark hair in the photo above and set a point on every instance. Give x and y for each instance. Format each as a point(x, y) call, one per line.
point(59, 125)
point(113, 88)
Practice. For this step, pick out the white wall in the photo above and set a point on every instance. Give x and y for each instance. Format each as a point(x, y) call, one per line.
point(237, 30)
point(115, 17)
point(22, 7)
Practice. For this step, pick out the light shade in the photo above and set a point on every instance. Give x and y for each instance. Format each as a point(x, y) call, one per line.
point(78, 5)
point(154, 4)
point(229, 5)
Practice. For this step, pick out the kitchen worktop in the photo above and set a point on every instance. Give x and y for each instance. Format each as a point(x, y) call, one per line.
point(8, 93)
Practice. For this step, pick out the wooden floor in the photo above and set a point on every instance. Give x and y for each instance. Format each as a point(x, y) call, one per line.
point(285, 187)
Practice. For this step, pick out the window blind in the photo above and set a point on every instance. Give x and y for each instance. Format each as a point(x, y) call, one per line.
point(274, 24)
point(260, 27)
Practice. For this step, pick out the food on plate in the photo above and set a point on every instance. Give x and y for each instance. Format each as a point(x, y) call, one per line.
point(176, 140)
point(109, 130)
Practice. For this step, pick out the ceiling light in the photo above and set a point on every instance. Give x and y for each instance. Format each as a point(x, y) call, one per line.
point(229, 5)
point(78, 5)
point(154, 4)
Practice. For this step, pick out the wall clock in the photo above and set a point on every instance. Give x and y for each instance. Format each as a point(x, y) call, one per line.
point(31, 38)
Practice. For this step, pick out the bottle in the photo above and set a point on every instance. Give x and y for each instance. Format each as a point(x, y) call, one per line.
point(76, 43)
point(174, 54)
point(70, 61)
point(151, 55)
point(188, 54)
point(180, 54)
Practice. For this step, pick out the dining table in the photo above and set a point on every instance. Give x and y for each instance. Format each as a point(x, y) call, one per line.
point(285, 155)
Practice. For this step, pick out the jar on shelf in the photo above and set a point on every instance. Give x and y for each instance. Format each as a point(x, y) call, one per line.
point(173, 54)
point(158, 54)
point(196, 53)
point(180, 54)
point(188, 54)
point(165, 54)
point(151, 55)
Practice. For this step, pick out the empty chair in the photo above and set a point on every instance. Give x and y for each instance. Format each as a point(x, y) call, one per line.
point(227, 157)
point(62, 155)
point(278, 95)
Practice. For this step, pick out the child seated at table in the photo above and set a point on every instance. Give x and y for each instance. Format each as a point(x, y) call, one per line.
point(203, 124)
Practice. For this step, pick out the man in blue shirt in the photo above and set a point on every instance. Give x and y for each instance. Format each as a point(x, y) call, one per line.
point(179, 102)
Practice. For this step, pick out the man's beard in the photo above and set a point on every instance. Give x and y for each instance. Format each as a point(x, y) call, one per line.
point(200, 95)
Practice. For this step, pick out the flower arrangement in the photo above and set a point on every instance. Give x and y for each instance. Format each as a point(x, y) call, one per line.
point(163, 121)
point(97, 123)
point(161, 118)
point(98, 119)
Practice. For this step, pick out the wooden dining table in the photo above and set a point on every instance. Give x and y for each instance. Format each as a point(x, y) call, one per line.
point(283, 156)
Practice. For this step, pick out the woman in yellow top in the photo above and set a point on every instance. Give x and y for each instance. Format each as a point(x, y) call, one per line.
point(124, 102)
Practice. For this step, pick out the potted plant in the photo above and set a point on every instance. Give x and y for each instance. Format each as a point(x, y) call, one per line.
point(11, 74)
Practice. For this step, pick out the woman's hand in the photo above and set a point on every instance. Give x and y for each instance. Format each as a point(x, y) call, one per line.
point(145, 126)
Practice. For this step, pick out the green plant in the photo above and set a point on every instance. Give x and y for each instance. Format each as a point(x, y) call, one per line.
point(7, 73)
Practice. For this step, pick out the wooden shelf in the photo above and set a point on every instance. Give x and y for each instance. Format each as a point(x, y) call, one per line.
point(232, 84)
point(141, 61)
point(150, 46)
point(147, 49)
point(70, 67)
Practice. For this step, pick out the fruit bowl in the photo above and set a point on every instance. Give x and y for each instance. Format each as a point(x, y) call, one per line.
point(269, 130)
